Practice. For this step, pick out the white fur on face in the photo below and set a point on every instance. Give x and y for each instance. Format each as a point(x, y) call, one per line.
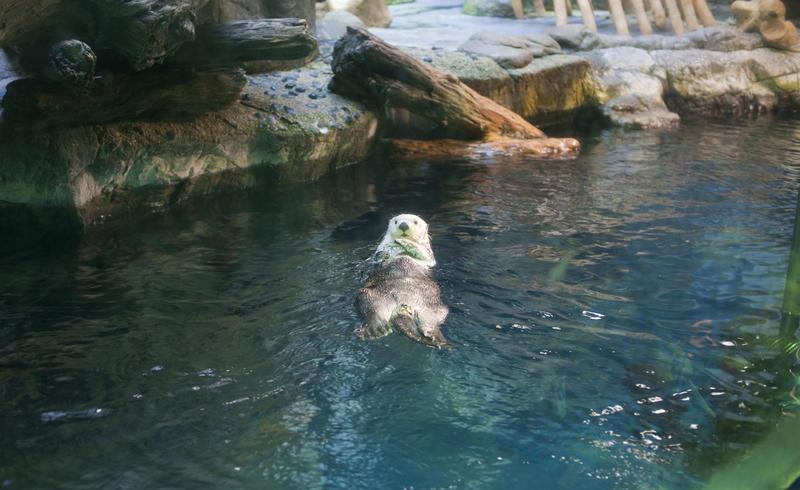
point(409, 227)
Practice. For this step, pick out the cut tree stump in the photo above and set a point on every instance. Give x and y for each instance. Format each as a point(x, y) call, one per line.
point(365, 67)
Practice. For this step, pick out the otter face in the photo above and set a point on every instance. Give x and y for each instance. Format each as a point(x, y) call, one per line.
point(409, 227)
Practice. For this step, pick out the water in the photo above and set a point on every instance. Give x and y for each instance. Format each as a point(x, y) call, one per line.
point(613, 320)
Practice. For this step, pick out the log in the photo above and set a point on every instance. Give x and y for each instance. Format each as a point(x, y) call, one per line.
point(145, 32)
point(560, 8)
point(641, 17)
point(517, 6)
point(232, 43)
point(689, 16)
point(587, 15)
point(659, 15)
point(706, 17)
point(674, 16)
point(618, 16)
point(365, 67)
point(156, 94)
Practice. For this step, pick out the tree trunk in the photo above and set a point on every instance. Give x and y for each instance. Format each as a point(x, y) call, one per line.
point(367, 67)
point(149, 95)
point(232, 43)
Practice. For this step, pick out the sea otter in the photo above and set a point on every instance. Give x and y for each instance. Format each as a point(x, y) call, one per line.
point(400, 294)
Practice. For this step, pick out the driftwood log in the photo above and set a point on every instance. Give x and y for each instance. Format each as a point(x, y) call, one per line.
point(232, 43)
point(366, 67)
point(155, 94)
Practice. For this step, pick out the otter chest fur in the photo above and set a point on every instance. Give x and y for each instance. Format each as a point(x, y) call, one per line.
point(401, 294)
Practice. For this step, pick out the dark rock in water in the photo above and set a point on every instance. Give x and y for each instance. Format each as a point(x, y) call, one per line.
point(72, 62)
point(290, 85)
point(300, 89)
point(311, 105)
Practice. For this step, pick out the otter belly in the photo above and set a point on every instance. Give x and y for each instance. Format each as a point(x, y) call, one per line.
point(401, 295)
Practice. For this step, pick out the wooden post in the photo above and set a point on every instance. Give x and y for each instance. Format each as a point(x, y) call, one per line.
point(539, 6)
point(569, 8)
point(706, 17)
point(641, 17)
point(517, 6)
point(688, 14)
point(674, 16)
point(659, 15)
point(587, 15)
point(560, 6)
point(618, 16)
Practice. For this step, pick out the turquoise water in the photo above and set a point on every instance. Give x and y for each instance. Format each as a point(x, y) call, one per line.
point(613, 320)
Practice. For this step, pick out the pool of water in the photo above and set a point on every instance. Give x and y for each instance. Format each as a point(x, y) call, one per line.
point(613, 322)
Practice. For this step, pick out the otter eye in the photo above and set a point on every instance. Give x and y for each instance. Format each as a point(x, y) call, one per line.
point(415, 222)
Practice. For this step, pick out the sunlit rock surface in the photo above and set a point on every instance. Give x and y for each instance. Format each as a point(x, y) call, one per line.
point(287, 128)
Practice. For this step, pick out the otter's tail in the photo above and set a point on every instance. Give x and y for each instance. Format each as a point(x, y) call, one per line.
point(404, 322)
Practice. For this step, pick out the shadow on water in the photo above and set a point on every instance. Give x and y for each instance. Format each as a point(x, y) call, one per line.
point(614, 322)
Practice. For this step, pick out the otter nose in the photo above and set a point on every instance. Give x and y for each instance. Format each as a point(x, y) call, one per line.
point(403, 226)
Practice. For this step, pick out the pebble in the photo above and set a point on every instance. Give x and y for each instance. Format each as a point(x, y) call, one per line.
point(290, 85)
point(290, 110)
point(311, 105)
point(348, 120)
point(300, 89)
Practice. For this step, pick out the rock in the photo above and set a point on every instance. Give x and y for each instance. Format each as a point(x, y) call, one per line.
point(489, 8)
point(631, 87)
point(510, 51)
point(574, 37)
point(374, 13)
point(334, 25)
point(715, 38)
point(72, 62)
point(739, 82)
point(127, 168)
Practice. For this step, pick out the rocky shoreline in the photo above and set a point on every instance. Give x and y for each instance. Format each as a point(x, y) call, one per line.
point(288, 127)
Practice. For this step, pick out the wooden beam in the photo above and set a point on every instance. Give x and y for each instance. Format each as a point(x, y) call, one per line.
point(232, 43)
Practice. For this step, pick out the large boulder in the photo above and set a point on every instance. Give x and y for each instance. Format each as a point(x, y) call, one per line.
point(374, 13)
point(286, 128)
point(510, 51)
point(631, 87)
point(707, 82)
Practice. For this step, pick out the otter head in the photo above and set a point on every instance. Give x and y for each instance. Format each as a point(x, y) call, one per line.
point(408, 227)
